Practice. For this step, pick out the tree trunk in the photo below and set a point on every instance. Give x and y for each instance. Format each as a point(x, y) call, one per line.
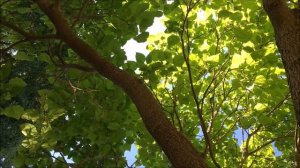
point(286, 24)
point(175, 145)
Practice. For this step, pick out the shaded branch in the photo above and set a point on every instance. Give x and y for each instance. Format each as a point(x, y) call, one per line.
point(64, 65)
point(4, 2)
point(80, 13)
point(78, 66)
point(28, 36)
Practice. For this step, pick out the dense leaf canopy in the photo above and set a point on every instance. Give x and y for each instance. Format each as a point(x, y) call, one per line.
point(215, 71)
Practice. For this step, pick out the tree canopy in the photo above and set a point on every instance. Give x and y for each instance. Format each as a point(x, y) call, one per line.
point(212, 92)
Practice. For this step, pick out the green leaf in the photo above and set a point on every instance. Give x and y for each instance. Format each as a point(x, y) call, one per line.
point(113, 126)
point(224, 13)
point(140, 58)
point(260, 79)
point(260, 107)
point(242, 34)
point(258, 54)
point(266, 120)
point(24, 10)
point(29, 130)
point(44, 57)
point(246, 122)
point(23, 56)
point(14, 111)
point(172, 26)
point(31, 115)
point(249, 4)
point(173, 40)
point(17, 83)
point(73, 73)
point(19, 161)
point(5, 71)
point(236, 83)
point(178, 60)
point(154, 55)
point(137, 7)
point(131, 65)
point(55, 113)
point(142, 37)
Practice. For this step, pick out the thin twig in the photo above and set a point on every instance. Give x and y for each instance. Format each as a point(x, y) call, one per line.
point(12, 45)
point(186, 53)
point(80, 13)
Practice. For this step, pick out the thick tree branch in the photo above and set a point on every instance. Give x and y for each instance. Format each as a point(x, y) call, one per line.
point(287, 30)
point(279, 13)
point(286, 23)
point(176, 146)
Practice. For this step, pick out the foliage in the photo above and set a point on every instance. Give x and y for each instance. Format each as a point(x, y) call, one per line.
point(216, 61)
point(11, 138)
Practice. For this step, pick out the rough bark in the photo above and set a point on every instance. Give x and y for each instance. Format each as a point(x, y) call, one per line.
point(286, 24)
point(175, 145)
